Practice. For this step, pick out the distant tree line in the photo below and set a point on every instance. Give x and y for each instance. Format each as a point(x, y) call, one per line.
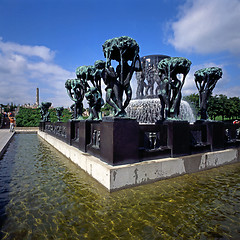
point(9, 107)
point(31, 117)
point(220, 107)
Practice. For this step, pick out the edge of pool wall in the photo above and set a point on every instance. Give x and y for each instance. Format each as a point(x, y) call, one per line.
point(124, 176)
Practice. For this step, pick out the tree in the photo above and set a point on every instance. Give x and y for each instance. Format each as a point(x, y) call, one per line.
point(28, 117)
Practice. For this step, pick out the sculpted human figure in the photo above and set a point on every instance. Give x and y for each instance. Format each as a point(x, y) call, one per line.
point(82, 74)
point(44, 111)
point(95, 102)
point(109, 77)
point(140, 84)
point(150, 80)
point(99, 66)
point(76, 90)
point(123, 49)
point(170, 85)
point(59, 111)
point(205, 80)
point(126, 77)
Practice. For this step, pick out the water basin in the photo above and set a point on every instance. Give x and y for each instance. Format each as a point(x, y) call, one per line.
point(43, 195)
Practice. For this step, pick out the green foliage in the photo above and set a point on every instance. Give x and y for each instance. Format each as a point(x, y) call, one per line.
point(220, 107)
point(66, 115)
point(9, 107)
point(28, 117)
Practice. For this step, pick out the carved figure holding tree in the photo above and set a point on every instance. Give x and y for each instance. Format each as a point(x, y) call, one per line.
point(44, 107)
point(95, 102)
point(206, 80)
point(123, 49)
point(170, 84)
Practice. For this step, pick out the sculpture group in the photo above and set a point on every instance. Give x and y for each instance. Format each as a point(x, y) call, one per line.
point(119, 139)
point(171, 75)
point(117, 81)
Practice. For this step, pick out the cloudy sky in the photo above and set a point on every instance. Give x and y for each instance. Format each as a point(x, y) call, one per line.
point(42, 42)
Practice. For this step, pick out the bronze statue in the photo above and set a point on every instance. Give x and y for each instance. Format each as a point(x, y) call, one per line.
point(109, 77)
point(95, 102)
point(44, 111)
point(150, 80)
point(140, 84)
point(206, 80)
point(82, 74)
point(59, 111)
point(123, 49)
point(76, 90)
point(170, 85)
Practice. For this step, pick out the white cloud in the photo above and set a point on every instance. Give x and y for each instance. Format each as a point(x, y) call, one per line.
point(20, 75)
point(221, 86)
point(230, 92)
point(31, 51)
point(205, 26)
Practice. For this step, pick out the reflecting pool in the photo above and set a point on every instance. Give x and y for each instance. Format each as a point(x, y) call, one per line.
point(45, 196)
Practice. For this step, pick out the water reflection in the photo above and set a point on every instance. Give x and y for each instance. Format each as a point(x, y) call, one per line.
point(45, 196)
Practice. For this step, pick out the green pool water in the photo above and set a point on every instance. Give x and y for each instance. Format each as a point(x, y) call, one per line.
point(45, 196)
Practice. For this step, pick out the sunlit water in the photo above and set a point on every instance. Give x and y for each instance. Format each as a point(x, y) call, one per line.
point(45, 196)
point(149, 110)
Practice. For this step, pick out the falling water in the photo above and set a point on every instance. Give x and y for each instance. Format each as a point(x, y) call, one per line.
point(148, 110)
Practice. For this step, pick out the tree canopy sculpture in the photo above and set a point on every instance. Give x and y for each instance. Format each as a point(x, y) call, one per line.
point(109, 76)
point(59, 111)
point(44, 111)
point(76, 89)
point(123, 49)
point(170, 85)
point(95, 102)
point(206, 80)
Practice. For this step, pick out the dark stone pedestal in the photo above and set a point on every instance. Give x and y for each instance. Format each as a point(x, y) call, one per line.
point(199, 141)
point(153, 141)
point(178, 137)
point(215, 134)
point(94, 131)
point(119, 140)
point(42, 126)
point(230, 135)
point(81, 134)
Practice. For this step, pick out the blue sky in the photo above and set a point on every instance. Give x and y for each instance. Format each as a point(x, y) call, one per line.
point(42, 42)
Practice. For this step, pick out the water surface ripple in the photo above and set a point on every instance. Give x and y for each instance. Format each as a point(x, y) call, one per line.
point(45, 196)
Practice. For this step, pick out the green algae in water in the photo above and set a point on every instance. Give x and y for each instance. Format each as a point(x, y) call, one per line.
point(48, 197)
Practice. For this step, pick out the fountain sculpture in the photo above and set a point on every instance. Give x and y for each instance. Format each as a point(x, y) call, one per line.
point(206, 80)
point(44, 111)
point(59, 111)
point(161, 73)
point(120, 138)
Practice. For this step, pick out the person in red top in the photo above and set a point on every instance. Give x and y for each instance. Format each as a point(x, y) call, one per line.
point(236, 122)
point(12, 122)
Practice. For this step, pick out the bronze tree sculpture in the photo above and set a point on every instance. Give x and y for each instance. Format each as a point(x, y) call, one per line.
point(76, 90)
point(44, 111)
point(170, 85)
point(59, 111)
point(206, 80)
point(95, 102)
point(122, 49)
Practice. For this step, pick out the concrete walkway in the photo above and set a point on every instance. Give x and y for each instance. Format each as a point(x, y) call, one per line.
point(5, 138)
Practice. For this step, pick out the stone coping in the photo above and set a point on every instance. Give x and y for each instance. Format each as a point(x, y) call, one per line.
point(26, 129)
point(128, 175)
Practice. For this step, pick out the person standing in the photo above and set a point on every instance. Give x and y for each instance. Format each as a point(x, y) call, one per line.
point(12, 122)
